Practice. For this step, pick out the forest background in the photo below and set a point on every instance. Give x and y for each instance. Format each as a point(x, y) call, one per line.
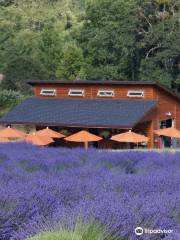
point(123, 40)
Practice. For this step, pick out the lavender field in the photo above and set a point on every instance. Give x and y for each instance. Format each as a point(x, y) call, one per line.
point(41, 188)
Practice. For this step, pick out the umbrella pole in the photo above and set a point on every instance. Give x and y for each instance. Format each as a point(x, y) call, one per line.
point(86, 145)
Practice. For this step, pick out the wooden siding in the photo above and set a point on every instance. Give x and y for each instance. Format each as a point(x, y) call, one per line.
point(120, 92)
point(146, 129)
point(166, 103)
point(177, 123)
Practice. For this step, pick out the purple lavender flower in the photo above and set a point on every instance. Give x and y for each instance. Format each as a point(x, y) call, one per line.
point(43, 187)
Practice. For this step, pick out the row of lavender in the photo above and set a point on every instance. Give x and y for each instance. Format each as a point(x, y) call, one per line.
point(41, 187)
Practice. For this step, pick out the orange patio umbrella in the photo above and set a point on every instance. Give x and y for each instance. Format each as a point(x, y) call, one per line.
point(38, 140)
point(49, 133)
point(83, 136)
point(168, 132)
point(130, 137)
point(4, 140)
point(11, 133)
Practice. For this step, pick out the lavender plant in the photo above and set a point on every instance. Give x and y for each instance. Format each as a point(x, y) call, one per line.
point(44, 187)
point(80, 231)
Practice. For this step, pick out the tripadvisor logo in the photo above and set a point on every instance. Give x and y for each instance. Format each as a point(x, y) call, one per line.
point(140, 231)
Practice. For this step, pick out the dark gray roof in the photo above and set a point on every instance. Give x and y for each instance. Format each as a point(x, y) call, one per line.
point(101, 82)
point(79, 113)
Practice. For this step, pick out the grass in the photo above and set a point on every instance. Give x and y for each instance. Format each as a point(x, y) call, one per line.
point(92, 231)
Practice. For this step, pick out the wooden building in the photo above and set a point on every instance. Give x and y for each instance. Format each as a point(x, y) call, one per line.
point(99, 106)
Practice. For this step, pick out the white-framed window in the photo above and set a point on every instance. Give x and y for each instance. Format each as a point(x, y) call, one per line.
point(105, 93)
point(136, 94)
point(48, 92)
point(76, 92)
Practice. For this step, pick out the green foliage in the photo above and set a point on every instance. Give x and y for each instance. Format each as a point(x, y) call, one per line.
point(105, 134)
point(6, 3)
point(50, 47)
point(107, 38)
point(65, 132)
point(89, 39)
point(132, 40)
point(19, 70)
point(81, 231)
point(9, 99)
point(32, 38)
point(72, 65)
point(160, 44)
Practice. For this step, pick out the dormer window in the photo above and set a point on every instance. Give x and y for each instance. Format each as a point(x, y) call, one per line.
point(48, 92)
point(135, 94)
point(105, 93)
point(76, 93)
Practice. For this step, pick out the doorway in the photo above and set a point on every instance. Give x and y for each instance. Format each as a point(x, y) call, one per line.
point(166, 141)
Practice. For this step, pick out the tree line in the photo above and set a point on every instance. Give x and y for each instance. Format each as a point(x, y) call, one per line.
point(132, 40)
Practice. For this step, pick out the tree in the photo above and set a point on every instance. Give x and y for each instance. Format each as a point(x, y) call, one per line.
point(50, 50)
point(32, 36)
point(134, 40)
point(108, 39)
point(71, 66)
point(21, 54)
point(160, 42)
point(9, 99)
point(19, 70)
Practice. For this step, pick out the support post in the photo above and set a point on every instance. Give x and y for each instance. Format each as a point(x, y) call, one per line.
point(86, 145)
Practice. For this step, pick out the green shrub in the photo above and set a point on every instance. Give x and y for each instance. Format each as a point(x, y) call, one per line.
point(9, 99)
point(105, 134)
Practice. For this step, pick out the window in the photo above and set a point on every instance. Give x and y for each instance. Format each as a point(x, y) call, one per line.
point(76, 93)
point(166, 123)
point(137, 94)
point(105, 93)
point(48, 92)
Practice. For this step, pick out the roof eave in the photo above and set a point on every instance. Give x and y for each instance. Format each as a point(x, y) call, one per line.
point(37, 82)
point(67, 125)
